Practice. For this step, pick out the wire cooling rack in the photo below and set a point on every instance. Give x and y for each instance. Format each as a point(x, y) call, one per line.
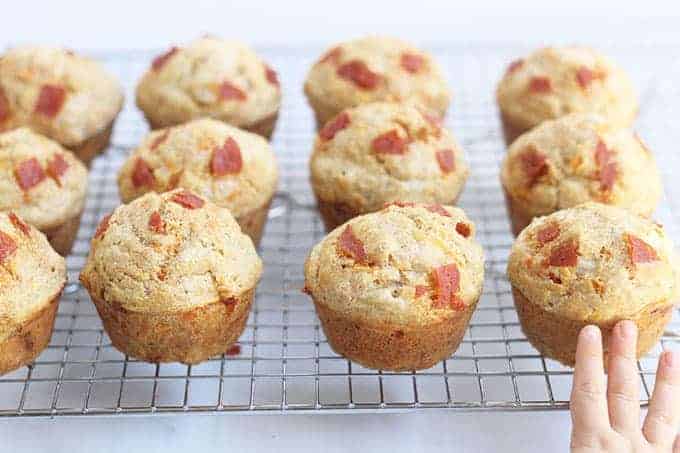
point(285, 363)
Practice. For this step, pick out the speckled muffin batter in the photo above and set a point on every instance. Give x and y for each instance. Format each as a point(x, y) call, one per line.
point(32, 276)
point(172, 277)
point(44, 183)
point(592, 264)
point(69, 98)
point(211, 77)
point(233, 168)
point(377, 153)
point(556, 81)
point(574, 159)
point(375, 68)
point(395, 289)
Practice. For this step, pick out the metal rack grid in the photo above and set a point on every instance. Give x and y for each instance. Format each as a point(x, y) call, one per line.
point(284, 363)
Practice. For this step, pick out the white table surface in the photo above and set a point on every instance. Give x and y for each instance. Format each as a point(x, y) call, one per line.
point(126, 24)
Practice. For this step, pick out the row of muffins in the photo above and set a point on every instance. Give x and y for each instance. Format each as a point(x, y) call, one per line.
point(364, 157)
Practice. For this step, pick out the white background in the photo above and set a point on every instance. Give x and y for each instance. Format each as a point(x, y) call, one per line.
point(125, 24)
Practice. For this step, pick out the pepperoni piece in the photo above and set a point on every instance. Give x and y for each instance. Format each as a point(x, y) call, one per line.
point(639, 251)
point(57, 167)
point(159, 140)
point(437, 209)
point(188, 200)
point(608, 168)
point(234, 349)
point(160, 60)
point(29, 173)
point(332, 56)
point(446, 160)
point(548, 234)
point(271, 75)
point(412, 62)
point(334, 126)
point(540, 85)
point(226, 159)
point(463, 229)
point(447, 284)
point(420, 290)
point(535, 165)
point(514, 66)
point(19, 224)
point(350, 246)
point(584, 76)
point(142, 175)
point(102, 227)
point(229, 91)
point(7, 246)
point(602, 154)
point(389, 143)
point(156, 223)
point(564, 255)
point(357, 72)
point(4, 106)
point(50, 100)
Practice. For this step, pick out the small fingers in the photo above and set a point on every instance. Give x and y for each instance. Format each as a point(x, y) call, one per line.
point(623, 389)
point(661, 424)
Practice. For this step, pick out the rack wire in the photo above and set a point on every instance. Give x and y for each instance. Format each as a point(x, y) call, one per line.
point(284, 363)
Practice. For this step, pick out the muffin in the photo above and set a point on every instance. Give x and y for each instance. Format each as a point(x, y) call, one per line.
point(574, 159)
point(395, 289)
point(374, 69)
point(592, 264)
point(32, 276)
point(378, 153)
point(555, 81)
point(68, 98)
point(44, 183)
point(232, 168)
point(172, 277)
point(211, 77)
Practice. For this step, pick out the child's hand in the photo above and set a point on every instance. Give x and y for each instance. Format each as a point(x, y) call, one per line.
point(606, 418)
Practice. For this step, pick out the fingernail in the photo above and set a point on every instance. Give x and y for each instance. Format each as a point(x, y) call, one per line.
point(590, 332)
point(627, 328)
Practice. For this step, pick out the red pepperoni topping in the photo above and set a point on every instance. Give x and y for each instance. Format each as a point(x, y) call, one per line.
point(102, 227)
point(564, 255)
point(437, 209)
point(602, 154)
point(50, 100)
point(389, 143)
point(357, 72)
point(271, 76)
point(548, 233)
point(57, 167)
point(515, 65)
point(420, 290)
point(142, 174)
point(540, 85)
point(446, 160)
point(226, 159)
point(160, 60)
point(463, 229)
point(7, 246)
point(350, 246)
point(334, 126)
point(639, 251)
point(29, 173)
point(229, 91)
point(234, 349)
point(584, 76)
point(19, 224)
point(412, 62)
point(4, 106)
point(188, 200)
point(535, 165)
point(608, 168)
point(159, 140)
point(447, 284)
point(156, 223)
point(332, 56)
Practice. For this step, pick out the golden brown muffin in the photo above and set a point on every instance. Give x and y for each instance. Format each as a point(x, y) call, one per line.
point(395, 289)
point(172, 277)
point(232, 168)
point(574, 159)
point(555, 81)
point(68, 98)
point(32, 276)
point(374, 69)
point(592, 264)
point(44, 183)
point(211, 77)
point(380, 152)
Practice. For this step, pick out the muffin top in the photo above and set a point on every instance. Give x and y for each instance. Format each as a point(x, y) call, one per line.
point(408, 264)
point(62, 95)
point(40, 180)
point(209, 77)
point(377, 69)
point(382, 152)
point(170, 252)
point(231, 167)
point(555, 81)
point(32, 274)
point(579, 158)
point(596, 263)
